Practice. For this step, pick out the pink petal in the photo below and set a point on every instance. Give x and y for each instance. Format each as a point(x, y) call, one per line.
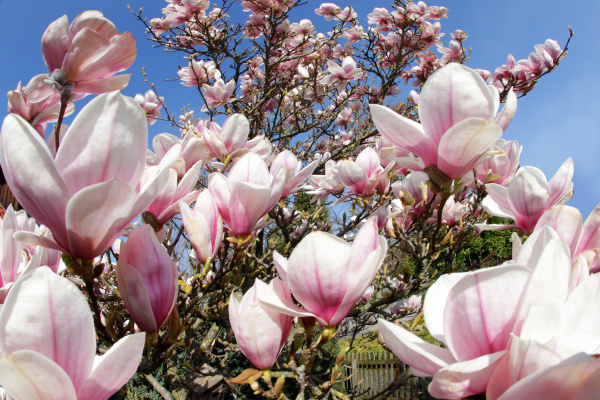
point(464, 143)
point(414, 351)
point(317, 273)
point(55, 43)
point(508, 112)
point(97, 215)
point(104, 85)
point(26, 374)
point(404, 133)
point(561, 185)
point(108, 139)
point(466, 378)
point(26, 164)
point(590, 237)
point(40, 314)
point(566, 221)
point(559, 382)
point(486, 302)
point(113, 369)
point(450, 95)
point(435, 303)
point(235, 132)
point(135, 296)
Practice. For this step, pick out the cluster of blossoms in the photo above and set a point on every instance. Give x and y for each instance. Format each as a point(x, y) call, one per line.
point(420, 178)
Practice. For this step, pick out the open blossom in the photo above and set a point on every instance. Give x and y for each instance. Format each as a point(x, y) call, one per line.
point(322, 185)
point(247, 194)
point(260, 331)
point(147, 279)
point(328, 10)
point(16, 259)
point(228, 140)
point(198, 73)
point(363, 175)
point(219, 94)
point(341, 75)
point(501, 168)
point(88, 194)
point(528, 196)
point(457, 110)
point(151, 104)
point(521, 318)
point(87, 54)
point(294, 173)
point(193, 150)
point(328, 275)
point(36, 103)
point(57, 359)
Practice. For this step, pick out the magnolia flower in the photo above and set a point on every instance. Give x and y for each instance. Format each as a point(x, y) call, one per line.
point(219, 94)
point(501, 168)
point(17, 260)
point(528, 196)
point(328, 275)
point(193, 151)
point(521, 319)
point(247, 194)
point(197, 74)
point(36, 103)
point(260, 331)
point(151, 104)
point(87, 53)
point(294, 173)
point(228, 140)
point(340, 76)
point(48, 344)
point(147, 279)
point(457, 112)
point(363, 175)
point(88, 194)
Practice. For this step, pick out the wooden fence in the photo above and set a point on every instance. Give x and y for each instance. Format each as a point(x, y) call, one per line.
point(375, 371)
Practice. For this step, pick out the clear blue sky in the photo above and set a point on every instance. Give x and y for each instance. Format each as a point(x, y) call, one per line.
point(560, 118)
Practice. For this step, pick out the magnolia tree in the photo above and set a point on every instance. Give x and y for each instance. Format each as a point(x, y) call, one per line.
point(308, 202)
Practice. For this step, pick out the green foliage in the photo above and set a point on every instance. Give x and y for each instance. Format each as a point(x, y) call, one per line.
point(491, 247)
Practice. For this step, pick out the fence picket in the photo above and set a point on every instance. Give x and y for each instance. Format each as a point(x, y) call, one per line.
point(375, 371)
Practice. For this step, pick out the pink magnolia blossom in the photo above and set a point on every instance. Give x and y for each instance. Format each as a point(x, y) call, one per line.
point(57, 359)
point(328, 275)
point(457, 110)
point(87, 54)
point(501, 168)
point(151, 104)
point(322, 185)
point(294, 173)
point(504, 308)
point(174, 193)
point(219, 94)
point(198, 73)
point(203, 225)
point(414, 184)
point(146, 279)
point(341, 75)
point(36, 103)
point(193, 151)
point(528, 196)
point(409, 305)
point(247, 194)
point(260, 331)
point(228, 140)
point(16, 259)
point(363, 175)
point(88, 194)
point(328, 10)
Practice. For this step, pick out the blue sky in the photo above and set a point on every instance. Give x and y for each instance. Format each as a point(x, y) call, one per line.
point(559, 119)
